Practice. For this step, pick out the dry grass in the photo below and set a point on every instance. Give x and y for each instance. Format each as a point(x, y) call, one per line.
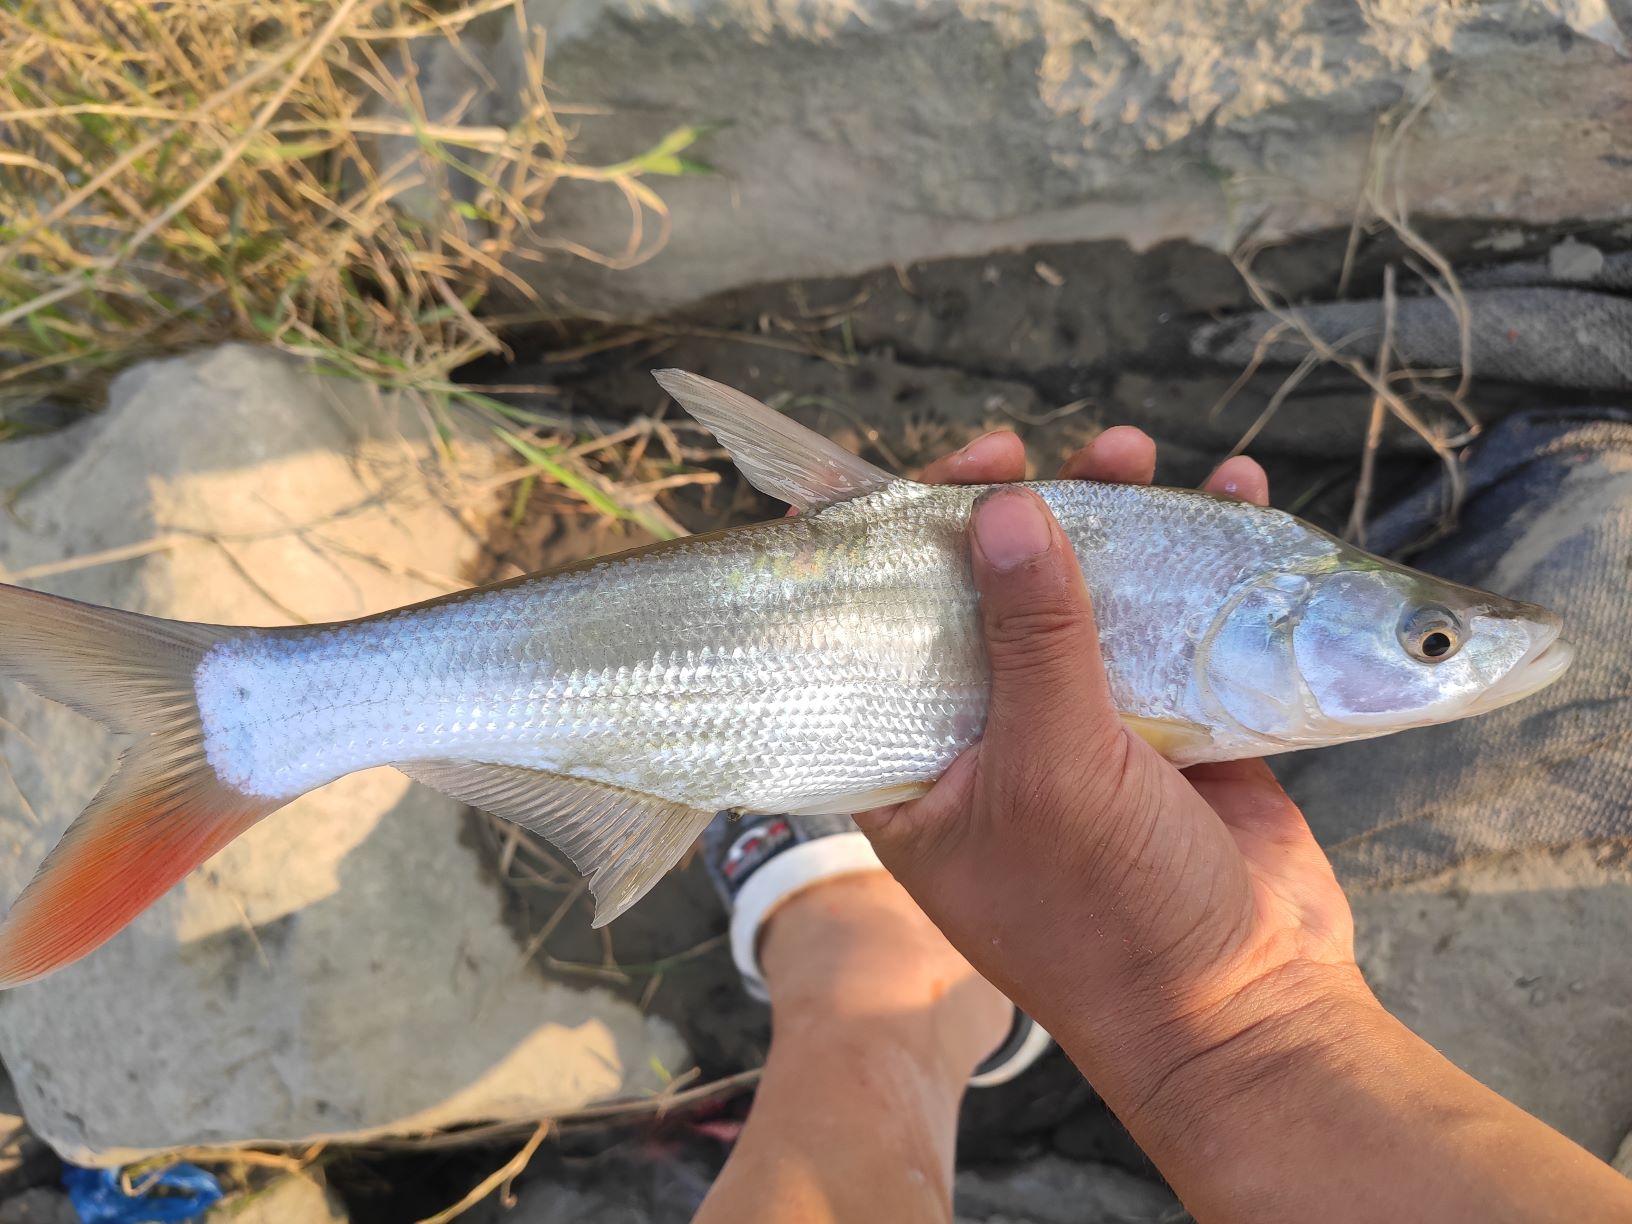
point(501, 1179)
point(1431, 403)
point(200, 170)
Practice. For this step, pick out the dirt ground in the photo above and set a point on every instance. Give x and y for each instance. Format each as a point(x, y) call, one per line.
point(903, 364)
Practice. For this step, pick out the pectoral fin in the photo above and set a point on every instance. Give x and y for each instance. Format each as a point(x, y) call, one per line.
point(1175, 738)
point(857, 801)
point(778, 455)
point(623, 840)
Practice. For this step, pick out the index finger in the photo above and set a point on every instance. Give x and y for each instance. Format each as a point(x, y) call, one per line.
point(1122, 454)
point(1241, 478)
point(995, 458)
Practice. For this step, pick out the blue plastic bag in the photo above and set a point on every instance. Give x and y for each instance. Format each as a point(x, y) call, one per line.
point(98, 1197)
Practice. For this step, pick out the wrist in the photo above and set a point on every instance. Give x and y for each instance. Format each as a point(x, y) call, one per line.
point(1302, 1098)
point(1188, 1082)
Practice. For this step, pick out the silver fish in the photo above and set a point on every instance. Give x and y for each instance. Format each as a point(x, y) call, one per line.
point(827, 662)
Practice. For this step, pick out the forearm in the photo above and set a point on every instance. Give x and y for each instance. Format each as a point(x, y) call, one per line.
point(876, 1027)
point(1330, 1109)
point(856, 1122)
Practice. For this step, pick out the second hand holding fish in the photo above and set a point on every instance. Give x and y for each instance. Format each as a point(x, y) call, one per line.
point(1198, 900)
point(1207, 876)
point(1182, 935)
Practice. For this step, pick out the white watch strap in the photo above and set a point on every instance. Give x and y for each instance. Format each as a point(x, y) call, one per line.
point(792, 871)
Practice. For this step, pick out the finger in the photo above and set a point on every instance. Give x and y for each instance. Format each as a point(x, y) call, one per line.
point(1050, 706)
point(1274, 838)
point(995, 458)
point(1241, 478)
point(1122, 454)
point(1248, 797)
point(928, 827)
point(1048, 678)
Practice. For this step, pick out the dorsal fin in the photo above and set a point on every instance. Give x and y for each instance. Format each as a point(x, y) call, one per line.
point(778, 455)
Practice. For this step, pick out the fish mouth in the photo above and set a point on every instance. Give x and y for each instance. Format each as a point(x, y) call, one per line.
point(1548, 658)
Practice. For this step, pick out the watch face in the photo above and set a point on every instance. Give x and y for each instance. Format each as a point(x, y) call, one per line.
point(753, 847)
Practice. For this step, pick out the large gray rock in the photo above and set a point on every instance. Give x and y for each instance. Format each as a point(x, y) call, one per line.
point(1516, 970)
point(344, 968)
point(870, 132)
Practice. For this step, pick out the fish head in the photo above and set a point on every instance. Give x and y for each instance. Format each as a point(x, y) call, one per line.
point(1365, 647)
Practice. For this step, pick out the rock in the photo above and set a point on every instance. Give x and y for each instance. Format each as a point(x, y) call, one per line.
point(1094, 1133)
point(573, 1205)
point(289, 1198)
point(1515, 970)
point(542, 1203)
point(1053, 1190)
point(620, 1187)
point(1572, 260)
point(887, 132)
point(1568, 263)
point(39, 1206)
point(1542, 337)
point(343, 969)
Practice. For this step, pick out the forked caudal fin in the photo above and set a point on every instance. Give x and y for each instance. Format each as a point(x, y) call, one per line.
point(161, 814)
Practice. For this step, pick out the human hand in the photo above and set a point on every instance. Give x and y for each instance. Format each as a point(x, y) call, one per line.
point(1181, 934)
point(1143, 914)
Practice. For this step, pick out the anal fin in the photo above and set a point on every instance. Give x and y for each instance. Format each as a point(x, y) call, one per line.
point(624, 841)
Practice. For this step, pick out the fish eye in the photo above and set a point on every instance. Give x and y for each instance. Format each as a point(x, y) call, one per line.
point(1431, 634)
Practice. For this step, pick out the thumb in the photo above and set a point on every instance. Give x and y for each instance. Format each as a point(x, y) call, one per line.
point(1050, 709)
point(1050, 697)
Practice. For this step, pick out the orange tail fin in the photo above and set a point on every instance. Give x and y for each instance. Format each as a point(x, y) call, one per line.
point(162, 813)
